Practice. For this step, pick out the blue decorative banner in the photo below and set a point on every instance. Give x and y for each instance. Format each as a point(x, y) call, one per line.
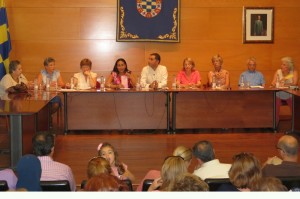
point(148, 20)
point(5, 45)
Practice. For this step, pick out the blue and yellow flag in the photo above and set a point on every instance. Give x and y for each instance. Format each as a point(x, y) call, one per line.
point(148, 20)
point(5, 45)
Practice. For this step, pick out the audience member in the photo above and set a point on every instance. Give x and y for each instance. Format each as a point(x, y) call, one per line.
point(208, 167)
point(269, 184)
point(9, 176)
point(172, 167)
point(98, 165)
point(188, 77)
point(12, 81)
point(182, 151)
point(287, 75)
point(244, 173)
point(189, 182)
point(154, 75)
point(43, 147)
point(252, 77)
point(29, 173)
point(287, 147)
point(220, 75)
point(105, 182)
point(121, 76)
point(86, 78)
point(119, 169)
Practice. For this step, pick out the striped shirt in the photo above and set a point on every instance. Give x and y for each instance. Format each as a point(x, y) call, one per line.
point(52, 170)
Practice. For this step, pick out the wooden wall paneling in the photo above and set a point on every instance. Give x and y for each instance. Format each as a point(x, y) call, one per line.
point(63, 3)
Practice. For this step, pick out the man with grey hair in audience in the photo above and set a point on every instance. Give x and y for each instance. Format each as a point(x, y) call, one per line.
point(287, 164)
point(208, 166)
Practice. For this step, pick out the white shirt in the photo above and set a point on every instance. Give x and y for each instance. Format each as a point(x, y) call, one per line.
point(84, 82)
point(7, 81)
point(213, 169)
point(149, 75)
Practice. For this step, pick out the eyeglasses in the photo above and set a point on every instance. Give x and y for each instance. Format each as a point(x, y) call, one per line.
point(278, 148)
point(172, 156)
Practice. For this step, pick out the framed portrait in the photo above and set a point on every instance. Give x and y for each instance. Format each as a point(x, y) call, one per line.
point(258, 25)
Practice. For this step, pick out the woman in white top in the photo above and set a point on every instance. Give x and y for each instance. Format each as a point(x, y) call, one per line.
point(13, 78)
point(287, 76)
point(86, 78)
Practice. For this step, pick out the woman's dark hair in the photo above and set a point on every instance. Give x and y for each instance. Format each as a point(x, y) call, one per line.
point(116, 66)
point(48, 60)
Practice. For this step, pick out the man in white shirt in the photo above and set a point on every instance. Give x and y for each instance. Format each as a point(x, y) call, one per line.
point(209, 167)
point(154, 75)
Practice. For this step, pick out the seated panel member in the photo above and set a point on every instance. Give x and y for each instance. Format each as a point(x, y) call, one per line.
point(121, 76)
point(86, 78)
point(254, 77)
point(154, 75)
point(220, 75)
point(188, 76)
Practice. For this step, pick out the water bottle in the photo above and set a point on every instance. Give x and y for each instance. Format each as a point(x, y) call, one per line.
point(213, 84)
point(47, 84)
point(277, 82)
point(138, 85)
point(102, 85)
point(35, 85)
point(242, 82)
point(174, 82)
point(72, 83)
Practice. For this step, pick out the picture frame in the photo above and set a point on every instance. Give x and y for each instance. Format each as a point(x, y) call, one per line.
point(258, 25)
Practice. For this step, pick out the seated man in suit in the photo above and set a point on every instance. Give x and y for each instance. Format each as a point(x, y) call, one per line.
point(209, 167)
point(43, 147)
point(287, 147)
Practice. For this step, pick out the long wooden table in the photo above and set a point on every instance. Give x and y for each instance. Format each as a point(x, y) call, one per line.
point(236, 108)
point(28, 113)
point(190, 109)
point(116, 109)
point(295, 110)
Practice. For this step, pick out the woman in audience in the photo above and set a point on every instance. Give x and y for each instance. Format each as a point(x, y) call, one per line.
point(14, 79)
point(29, 173)
point(244, 174)
point(219, 75)
point(269, 184)
point(287, 75)
point(105, 182)
point(120, 77)
point(172, 167)
point(189, 182)
point(119, 169)
point(182, 151)
point(188, 77)
point(86, 78)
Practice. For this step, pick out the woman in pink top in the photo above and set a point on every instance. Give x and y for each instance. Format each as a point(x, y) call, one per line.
point(188, 77)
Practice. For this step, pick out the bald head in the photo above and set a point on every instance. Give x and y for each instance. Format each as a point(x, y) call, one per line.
point(289, 145)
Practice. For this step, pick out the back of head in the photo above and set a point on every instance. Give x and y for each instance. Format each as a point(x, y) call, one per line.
point(172, 167)
point(204, 151)
point(105, 182)
point(98, 165)
point(245, 171)
point(184, 152)
point(29, 172)
point(289, 145)
point(269, 184)
point(42, 143)
point(189, 182)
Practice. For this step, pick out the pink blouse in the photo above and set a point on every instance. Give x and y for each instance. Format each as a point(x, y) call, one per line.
point(194, 78)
